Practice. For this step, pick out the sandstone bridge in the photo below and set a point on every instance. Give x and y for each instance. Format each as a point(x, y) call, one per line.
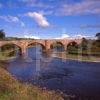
point(23, 44)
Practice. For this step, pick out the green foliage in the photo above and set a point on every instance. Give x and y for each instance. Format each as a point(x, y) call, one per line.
point(98, 36)
point(8, 47)
point(8, 50)
point(96, 44)
point(2, 34)
point(72, 47)
point(86, 47)
point(57, 45)
point(84, 44)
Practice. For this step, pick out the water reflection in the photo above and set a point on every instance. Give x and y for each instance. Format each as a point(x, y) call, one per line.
point(35, 53)
point(71, 77)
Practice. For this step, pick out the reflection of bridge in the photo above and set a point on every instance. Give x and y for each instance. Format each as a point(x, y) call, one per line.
point(23, 44)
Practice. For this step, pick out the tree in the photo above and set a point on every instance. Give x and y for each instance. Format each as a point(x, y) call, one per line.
point(98, 36)
point(72, 48)
point(2, 34)
point(84, 44)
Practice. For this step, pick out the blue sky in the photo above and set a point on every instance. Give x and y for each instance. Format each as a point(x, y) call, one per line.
point(50, 18)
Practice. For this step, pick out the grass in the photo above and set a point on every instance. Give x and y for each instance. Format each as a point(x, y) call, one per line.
point(4, 57)
point(12, 89)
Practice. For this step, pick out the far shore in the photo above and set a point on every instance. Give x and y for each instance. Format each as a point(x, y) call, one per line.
point(65, 56)
point(6, 58)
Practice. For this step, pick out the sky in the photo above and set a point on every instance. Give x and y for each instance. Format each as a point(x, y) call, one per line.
point(46, 19)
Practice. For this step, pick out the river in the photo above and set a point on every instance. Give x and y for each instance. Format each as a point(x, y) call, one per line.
point(80, 79)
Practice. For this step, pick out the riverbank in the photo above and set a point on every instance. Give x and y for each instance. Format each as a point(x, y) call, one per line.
point(2, 58)
point(12, 89)
point(66, 56)
point(5, 57)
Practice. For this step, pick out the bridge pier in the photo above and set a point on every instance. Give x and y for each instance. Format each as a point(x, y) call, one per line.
point(65, 47)
point(47, 45)
point(23, 52)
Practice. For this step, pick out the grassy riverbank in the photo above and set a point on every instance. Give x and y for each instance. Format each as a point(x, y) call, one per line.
point(4, 58)
point(12, 89)
point(86, 58)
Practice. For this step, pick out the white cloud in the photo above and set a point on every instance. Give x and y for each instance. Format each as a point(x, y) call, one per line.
point(80, 36)
point(39, 18)
point(12, 19)
point(76, 36)
point(63, 36)
point(31, 36)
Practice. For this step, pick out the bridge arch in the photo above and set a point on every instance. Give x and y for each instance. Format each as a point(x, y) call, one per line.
point(10, 43)
point(11, 48)
point(57, 45)
point(72, 47)
point(34, 50)
point(36, 44)
point(72, 43)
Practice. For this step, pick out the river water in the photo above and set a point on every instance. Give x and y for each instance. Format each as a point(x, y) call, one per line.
point(81, 79)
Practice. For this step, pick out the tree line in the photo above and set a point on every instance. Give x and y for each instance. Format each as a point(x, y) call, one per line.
point(86, 47)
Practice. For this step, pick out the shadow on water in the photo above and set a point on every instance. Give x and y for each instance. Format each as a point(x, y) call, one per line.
point(81, 79)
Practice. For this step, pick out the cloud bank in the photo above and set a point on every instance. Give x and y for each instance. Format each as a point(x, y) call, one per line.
point(76, 36)
point(31, 36)
point(64, 8)
point(58, 7)
point(79, 8)
point(63, 36)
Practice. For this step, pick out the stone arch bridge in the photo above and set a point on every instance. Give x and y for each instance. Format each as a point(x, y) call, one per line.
point(23, 44)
